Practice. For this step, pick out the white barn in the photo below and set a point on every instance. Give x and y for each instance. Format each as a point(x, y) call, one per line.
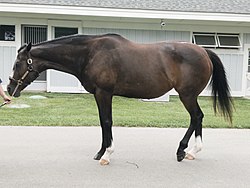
point(223, 26)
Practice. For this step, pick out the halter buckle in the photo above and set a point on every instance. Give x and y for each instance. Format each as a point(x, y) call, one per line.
point(29, 61)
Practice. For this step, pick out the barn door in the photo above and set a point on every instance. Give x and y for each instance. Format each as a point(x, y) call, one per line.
point(248, 75)
point(59, 81)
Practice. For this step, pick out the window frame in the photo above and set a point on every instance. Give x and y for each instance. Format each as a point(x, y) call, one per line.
point(13, 25)
point(218, 44)
point(25, 28)
point(65, 27)
point(228, 35)
point(205, 34)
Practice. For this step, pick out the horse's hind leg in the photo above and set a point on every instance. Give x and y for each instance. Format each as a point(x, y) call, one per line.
point(196, 115)
point(191, 154)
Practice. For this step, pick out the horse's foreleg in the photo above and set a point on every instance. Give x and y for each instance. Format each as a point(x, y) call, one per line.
point(104, 103)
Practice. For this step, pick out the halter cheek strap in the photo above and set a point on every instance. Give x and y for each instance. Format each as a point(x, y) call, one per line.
point(21, 80)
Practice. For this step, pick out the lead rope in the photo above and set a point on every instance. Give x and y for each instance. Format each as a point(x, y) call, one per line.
point(4, 103)
point(20, 82)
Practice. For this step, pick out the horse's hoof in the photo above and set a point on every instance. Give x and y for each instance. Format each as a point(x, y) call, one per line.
point(97, 156)
point(104, 162)
point(189, 157)
point(181, 156)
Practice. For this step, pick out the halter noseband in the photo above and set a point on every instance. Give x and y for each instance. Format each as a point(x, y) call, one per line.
point(21, 80)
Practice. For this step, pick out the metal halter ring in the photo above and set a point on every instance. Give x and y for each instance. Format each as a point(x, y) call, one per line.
point(19, 82)
point(30, 68)
point(29, 61)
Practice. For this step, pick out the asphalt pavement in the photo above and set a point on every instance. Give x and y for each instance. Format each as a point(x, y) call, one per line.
point(144, 157)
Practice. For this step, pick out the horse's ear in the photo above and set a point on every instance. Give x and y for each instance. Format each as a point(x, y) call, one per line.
point(29, 47)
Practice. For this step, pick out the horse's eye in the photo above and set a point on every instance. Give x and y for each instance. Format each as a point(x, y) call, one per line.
point(17, 65)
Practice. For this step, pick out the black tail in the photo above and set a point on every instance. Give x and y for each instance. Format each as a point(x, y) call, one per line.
point(222, 99)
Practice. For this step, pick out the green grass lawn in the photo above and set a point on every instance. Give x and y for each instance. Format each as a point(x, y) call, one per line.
point(80, 110)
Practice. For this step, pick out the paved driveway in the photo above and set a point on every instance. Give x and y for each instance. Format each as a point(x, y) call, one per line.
point(144, 157)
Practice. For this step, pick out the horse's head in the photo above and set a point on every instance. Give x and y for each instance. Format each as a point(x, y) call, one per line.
point(24, 71)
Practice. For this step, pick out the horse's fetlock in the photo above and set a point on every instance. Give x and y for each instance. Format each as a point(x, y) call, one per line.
point(183, 145)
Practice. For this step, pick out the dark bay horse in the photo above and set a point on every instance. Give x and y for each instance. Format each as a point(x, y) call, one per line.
point(108, 65)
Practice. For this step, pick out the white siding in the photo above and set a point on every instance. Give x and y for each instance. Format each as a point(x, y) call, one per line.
point(234, 66)
point(143, 36)
point(7, 58)
point(246, 38)
point(233, 63)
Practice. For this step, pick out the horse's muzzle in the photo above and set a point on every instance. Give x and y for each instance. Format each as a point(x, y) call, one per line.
point(11, 89)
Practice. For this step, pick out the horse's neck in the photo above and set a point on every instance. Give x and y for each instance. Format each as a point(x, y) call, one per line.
point(53, 58)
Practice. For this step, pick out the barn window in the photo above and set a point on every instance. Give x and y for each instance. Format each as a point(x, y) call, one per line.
point(65, 31)
point(34, 34)
point(7, 33)
point(217, 40)
point(205, 39)
point(229, 41)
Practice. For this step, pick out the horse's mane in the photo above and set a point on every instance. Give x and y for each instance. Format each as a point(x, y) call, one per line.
point(77, 38)
point(70, 38)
